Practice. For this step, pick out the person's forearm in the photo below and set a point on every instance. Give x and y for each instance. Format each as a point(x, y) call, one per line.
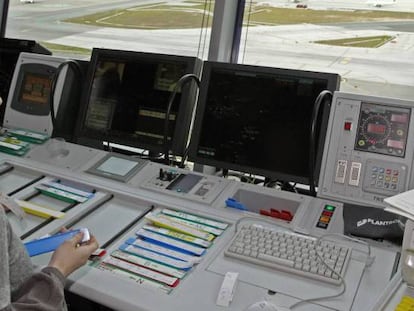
point(43, 291)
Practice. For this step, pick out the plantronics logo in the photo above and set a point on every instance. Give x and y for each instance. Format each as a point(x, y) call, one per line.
point(383, 223)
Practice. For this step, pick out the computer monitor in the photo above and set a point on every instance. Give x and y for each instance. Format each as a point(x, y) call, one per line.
point(258, 120)
point(128, 96)
point(10, 50)
point(29, 101)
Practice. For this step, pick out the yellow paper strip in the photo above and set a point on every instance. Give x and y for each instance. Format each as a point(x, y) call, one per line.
point(38, 210)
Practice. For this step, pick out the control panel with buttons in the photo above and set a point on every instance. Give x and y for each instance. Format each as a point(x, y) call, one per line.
point(183, 183)
point(368, 152)
point(326, 216)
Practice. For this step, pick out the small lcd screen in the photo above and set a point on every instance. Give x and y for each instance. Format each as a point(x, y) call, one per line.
point(184, 183)
point(117, 166)
point(35, 88)
point(376, 128)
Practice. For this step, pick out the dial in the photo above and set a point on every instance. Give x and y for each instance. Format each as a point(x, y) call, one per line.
point(382, 129)
point(375, 130)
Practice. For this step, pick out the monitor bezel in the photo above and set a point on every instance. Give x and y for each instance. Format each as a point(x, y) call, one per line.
point(30, 106)
point(180, 137)
point(333, 82)
point(12, 47)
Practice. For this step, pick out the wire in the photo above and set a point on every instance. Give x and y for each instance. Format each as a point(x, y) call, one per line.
point(184, 79)
point(322, 260)
point(312, 139)
point(55, 78)
point(184, 158)
point(318, 241)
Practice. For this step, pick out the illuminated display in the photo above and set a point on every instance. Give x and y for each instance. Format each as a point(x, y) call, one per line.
point(36, 88)
point(400, 118)
point(376, 128)
point(383, 129)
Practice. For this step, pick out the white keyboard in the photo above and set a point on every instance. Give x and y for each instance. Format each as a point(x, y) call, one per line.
point(285, 250)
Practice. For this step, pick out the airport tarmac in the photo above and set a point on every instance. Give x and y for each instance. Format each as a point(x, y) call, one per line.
point(385, 71)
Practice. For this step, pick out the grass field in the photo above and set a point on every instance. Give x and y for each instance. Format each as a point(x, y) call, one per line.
point(198, 14)
point(65, 48)
point(190, 15)
point(365, 42)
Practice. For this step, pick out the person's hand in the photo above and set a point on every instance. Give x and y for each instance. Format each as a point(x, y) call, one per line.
point(73, 254)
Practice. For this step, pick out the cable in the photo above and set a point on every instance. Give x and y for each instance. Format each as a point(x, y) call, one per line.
point(368, 262)
point(55, 77)
point(322, 260)
point(184, 158)
point(312, 139)
point(184, 79)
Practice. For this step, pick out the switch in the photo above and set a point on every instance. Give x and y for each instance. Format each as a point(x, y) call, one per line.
point(347, 126)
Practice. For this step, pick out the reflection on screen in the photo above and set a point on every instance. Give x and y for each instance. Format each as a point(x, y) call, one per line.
point(258, 120)
point(128, 95)
point(35, 88)
point(131, 99)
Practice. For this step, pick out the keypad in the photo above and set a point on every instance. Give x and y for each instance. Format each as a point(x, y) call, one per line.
point(384, 178)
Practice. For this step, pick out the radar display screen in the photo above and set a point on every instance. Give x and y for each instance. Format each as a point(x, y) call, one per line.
point(127, 100)
point(258, 119)
point(383, 129)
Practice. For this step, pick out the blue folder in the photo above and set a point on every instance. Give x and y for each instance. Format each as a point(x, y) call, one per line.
point(48, 244)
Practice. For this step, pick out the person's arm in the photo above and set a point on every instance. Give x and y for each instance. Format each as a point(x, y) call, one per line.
point(44, 291)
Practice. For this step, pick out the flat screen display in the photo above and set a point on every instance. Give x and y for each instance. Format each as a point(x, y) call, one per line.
point(258, 119)
point(128, 96)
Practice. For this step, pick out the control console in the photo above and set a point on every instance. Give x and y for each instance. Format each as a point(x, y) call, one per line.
point(368, 150)
point(182, 183)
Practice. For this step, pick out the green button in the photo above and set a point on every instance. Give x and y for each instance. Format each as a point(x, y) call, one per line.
point(330, 208)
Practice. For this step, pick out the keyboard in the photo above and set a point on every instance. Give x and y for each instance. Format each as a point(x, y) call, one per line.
point(290, 252)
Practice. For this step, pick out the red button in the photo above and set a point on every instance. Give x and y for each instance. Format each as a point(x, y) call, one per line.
point(275, 213)
point(286, 215)
point(264, 212)
point(347, 126)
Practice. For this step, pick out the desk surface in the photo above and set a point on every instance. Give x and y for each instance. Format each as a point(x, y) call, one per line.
point(200, 287)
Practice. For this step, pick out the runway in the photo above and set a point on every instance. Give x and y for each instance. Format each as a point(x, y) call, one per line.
point(385, 71)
